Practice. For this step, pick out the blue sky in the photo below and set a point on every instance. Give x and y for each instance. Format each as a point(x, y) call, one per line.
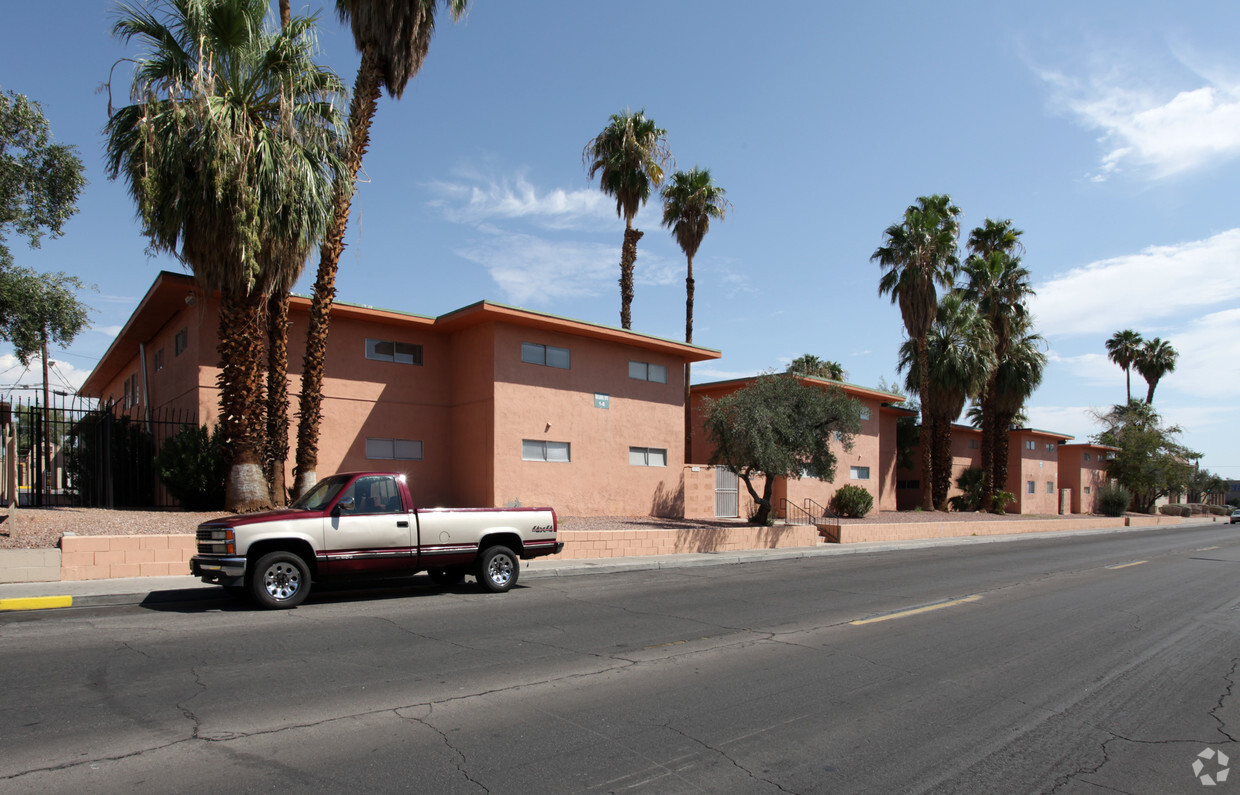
point(1108, 131)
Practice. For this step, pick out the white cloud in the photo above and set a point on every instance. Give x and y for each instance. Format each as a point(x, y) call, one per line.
point(532, 271)
point(1094, 368)
point(477, 201)
point(1207, 364)
point(1137, 290)
point(107, 331)
point(1168, 132)
point(62, 376)
point(1076, 421)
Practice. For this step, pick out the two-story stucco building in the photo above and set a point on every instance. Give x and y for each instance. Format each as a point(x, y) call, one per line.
point(486, 405)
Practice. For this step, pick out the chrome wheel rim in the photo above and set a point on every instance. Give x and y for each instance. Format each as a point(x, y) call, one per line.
point(282, 580)
point(500, 569)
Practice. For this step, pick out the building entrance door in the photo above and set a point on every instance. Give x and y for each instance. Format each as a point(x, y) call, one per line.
point(727, 494)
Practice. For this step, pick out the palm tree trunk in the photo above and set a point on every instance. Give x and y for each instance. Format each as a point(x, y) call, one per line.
point(1149, 396)
point(942, 463)
point(988, 446)
point(927, 440)
point(361, 114)
point(1002, 438)
point(1128, 382)
point(688, 339)
point(276, 454)
point(628, 257)
point(242, 323)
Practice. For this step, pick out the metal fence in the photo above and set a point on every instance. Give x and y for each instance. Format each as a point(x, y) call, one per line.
point(101, 455)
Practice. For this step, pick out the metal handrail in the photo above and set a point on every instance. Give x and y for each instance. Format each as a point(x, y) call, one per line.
point(795, 514)
point(825, 513)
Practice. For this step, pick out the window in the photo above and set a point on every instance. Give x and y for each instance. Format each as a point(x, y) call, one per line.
point(535, 450)
point(859, 473)
point(1087, 489)
point(159, 360)
point(1087, 456)
point(180, 342)
point(533, 353)
point(389, 351)
point(648, 456)
point(645, 371)
point(371, 494)
point(839, 435)
point(1050, 487)
point(127, 397)
point(131, 391)
point(908, 484)
point(394, 449)
point(1050, 447)
point(1031, 487)
point(865, 412)
point(973, 444)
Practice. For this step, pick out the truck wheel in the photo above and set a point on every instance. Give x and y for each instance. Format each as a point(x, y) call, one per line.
point(497, 569)
point(280, 580)
point(445, 578)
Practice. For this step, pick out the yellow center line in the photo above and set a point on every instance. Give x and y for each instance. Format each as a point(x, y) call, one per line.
point(914, 611)
point(1126, 565)
point(1207, 549)
point(36, 602)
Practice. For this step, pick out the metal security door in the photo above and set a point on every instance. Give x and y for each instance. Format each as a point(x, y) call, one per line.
point(727, 494)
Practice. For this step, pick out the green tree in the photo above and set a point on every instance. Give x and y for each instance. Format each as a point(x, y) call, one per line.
point(230, 151)
point(40, 181)
point(999, 285)
point(960, 352)
point(810, 365)
point(781, 428)
point(919, 254)
point(394, 37)
point(1151, 462)
point(1155, 359)
point(630, 156)
point(1204, 484)
point(1017, 376)
point(691, 200)
point(1123, 348)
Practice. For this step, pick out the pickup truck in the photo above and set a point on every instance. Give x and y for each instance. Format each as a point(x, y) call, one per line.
point(364, 524)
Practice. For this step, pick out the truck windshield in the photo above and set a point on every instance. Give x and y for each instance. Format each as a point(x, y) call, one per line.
point(323, 492)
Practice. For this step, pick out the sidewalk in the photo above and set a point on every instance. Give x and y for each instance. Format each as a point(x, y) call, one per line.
point(168, 590)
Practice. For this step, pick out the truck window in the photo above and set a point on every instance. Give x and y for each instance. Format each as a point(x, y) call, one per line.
point(373, 494)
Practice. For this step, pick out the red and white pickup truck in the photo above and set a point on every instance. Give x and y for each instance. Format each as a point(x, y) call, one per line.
point(364, 524)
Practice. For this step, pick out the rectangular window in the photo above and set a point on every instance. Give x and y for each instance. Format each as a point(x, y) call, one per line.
point(126, 398)
point(648, 456)
point(908, 484)
point(180, 342)
point(394, 449)
point(859, 473)
point(973, 444)
point(547, 355)
point(1050, 447)
point(1087, 456)
point(1087, 489)
point(1031, 487)
point(865, 412)
point(159, 360)
point(537, 450)
point(390, 351)
point(1031, 445)
point(645, 371)
point(1050, 487)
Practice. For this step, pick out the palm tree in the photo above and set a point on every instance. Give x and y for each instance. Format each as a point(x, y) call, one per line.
point(690, 200)
point(810, 365)
point(960, 353)
point(229, 151)
point(918, 254)
point(1123, 348)
point(631, 153)
point(1155, 359)
point(999, 285)
point(393, 37)
point(1017, 376)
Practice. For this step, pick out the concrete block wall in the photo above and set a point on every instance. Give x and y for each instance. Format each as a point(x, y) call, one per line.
point(908, 531)
point(627, 543)
point(104, 557)
point(29, 565)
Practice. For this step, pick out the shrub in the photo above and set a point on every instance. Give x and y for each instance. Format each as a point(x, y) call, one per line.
point(1113, 499)
point(1001, 500)
point(191, 466)
point(1176, 510)
point(1220, 510)
point(970, 483)
point(852, 502)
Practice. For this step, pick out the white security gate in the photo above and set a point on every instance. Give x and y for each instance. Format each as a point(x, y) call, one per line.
point(727, 493)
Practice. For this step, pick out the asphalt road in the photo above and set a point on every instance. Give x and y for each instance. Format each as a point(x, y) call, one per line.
point(1086, 664)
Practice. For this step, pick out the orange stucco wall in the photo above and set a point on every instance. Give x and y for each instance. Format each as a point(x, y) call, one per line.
point(1081, 467)
point(1040, 465)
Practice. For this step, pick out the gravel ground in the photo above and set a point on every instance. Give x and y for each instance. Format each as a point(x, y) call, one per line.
point(41, 528)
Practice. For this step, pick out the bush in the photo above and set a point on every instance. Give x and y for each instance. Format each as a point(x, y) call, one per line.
point(970, 483)
point(851, 502)
point(1113, 499)
point(1176, 510)
point(1001, 500)
point(1220, 510)
point(191, 466)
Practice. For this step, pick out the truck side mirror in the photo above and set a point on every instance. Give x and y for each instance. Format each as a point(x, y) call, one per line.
point(345, 504)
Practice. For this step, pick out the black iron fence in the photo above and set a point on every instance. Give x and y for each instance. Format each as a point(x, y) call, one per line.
point(93, 455)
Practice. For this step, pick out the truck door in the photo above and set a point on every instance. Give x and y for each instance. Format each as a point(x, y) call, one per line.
point(369, 531)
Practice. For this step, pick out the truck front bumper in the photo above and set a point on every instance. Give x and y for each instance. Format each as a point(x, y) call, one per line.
point(219, 569)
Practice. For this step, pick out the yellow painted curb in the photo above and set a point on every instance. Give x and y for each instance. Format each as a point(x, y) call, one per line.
point(915, 611)
point(36, 603)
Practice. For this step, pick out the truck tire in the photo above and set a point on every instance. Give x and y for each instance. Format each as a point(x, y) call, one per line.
point(497, 569)
point(280, 581)
point(446, 578)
